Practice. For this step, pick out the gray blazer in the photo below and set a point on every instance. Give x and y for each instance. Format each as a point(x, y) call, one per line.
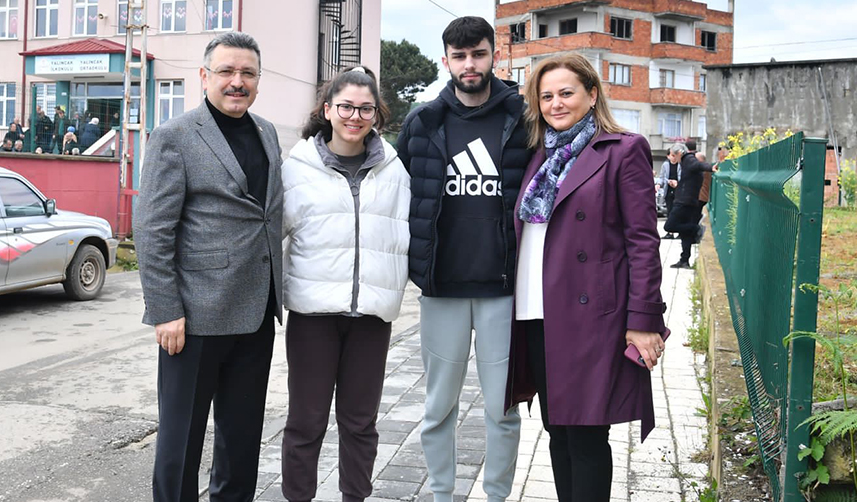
point(206, 249)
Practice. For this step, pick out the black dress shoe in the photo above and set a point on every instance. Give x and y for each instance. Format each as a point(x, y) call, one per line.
point(681, 264)
point(668, 236)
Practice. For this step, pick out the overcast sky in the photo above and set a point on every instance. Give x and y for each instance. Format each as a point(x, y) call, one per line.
point(785, 30)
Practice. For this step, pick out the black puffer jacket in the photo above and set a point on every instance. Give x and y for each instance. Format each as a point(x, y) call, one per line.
point(422, 148)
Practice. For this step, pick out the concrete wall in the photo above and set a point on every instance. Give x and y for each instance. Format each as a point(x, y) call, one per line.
point(784, 95)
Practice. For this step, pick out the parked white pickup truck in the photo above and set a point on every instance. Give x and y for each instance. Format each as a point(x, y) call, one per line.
point(42, 245)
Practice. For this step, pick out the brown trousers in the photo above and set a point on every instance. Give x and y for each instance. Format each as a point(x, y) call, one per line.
point(326, 352)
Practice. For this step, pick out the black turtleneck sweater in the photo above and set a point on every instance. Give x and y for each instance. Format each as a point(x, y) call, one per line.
point(243, 138)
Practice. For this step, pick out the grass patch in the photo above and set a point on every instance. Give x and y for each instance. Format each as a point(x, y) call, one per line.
point(697, 334)
point(838, 266)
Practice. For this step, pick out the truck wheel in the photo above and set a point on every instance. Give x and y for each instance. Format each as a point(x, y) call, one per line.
point(85, 275)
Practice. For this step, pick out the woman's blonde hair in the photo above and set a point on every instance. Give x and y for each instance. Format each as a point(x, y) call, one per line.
point(580, 66)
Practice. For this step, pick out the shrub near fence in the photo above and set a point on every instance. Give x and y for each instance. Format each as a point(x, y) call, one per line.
point(767, 245)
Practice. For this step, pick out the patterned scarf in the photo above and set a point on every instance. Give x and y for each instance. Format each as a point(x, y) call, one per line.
point(538, 199)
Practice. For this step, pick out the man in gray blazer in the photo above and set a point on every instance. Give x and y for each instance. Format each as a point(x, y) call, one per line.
point(208, 230)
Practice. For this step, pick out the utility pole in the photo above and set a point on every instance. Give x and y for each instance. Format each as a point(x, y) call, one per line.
point(136, 11)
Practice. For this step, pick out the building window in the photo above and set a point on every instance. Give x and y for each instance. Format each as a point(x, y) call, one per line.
point(543, 31)
point(47, 16)
point(519, 32)
point(218, 15)
point(667, 78)
point(701, 130)
point(519, 75)
point(173, 15)
point(708, 39)
point(85, 17)
point(123, 17)
point(667, 33)
point(170, 99)
point(620, 74)
point(620, 27)
point(568, 26)
point(8, 18)
point(703, 82)
point(46, 97)
point(628, 119)
point(7, 103)
point(669, 125)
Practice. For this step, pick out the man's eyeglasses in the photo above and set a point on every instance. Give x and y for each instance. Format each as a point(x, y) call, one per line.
point(346, 111)
point(227, 73)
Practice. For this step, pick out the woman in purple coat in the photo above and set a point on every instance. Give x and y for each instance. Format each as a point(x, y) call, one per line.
point(588, 277)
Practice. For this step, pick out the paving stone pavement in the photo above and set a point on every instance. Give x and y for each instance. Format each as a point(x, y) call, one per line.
point(662, 469)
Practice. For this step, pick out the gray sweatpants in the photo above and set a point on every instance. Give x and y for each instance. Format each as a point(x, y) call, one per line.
point(446, 325)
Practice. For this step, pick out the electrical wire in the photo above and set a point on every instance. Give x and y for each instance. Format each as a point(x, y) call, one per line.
point(441, 7)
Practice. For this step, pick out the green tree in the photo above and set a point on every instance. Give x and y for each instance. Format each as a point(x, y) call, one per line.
point(405, 72)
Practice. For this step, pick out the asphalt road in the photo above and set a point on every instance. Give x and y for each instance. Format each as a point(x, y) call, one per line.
point(78, 400)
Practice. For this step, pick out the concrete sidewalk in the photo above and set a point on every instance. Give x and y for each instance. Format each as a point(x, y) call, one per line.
point(661, 469)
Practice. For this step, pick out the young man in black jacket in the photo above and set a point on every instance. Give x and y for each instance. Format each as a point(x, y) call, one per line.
point(683, 216)
point(466, 152)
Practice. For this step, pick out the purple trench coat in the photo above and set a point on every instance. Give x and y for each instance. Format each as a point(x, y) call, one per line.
point(602, 276)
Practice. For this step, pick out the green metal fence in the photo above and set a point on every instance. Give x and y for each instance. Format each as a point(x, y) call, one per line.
point(766, 221)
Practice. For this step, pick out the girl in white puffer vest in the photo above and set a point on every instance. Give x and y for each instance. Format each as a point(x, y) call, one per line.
point(345, 224)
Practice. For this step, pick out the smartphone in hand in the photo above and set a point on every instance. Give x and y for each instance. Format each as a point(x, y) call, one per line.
point(632, 353)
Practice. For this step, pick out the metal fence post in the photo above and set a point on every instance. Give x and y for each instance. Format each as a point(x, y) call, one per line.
point(802, 358)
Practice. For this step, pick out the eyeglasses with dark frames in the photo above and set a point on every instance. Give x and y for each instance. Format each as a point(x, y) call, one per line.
point(346, 111)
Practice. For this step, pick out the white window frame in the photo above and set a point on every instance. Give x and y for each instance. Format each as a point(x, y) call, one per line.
point(46, 97)
point(170, 97)
point(8, 11)
point(710, 34)
point(219, 23)
point(569, 20)
point(667, 122)
point(51, 7)
point(666, 78)
point(172, 5)
point(674, 33)
point(703, 82)
point(619, 74)
point(629, 23)
point(86, 8)
point(628, 119)
point(7, 102)
point(519, 75)
point(120, 28)
point(702, 128)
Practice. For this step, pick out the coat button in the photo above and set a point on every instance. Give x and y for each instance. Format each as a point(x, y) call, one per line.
point(581, 256)
point(580, 215)
point(266, 259)
point(584, 299)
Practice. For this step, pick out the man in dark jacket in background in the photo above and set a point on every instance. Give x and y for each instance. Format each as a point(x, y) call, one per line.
point(44, 130)
point(466, 152)
point(683, 218)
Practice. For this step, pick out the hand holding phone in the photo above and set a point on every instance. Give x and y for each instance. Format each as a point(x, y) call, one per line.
point(632, 353)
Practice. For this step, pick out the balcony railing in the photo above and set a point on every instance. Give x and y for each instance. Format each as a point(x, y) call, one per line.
point(339, 32)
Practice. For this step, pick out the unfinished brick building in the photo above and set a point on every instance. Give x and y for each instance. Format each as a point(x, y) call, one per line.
point(650, 52)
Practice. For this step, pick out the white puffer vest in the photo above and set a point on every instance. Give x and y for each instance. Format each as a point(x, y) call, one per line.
point(329, 251)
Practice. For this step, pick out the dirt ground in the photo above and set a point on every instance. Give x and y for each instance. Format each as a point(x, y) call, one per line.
point(741, 477)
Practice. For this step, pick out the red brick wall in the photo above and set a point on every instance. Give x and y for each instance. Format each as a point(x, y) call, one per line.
point(682, 6)
point(831, 191)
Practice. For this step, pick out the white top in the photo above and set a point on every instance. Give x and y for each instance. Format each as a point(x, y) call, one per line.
point(529, 300)
point(322, 241)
